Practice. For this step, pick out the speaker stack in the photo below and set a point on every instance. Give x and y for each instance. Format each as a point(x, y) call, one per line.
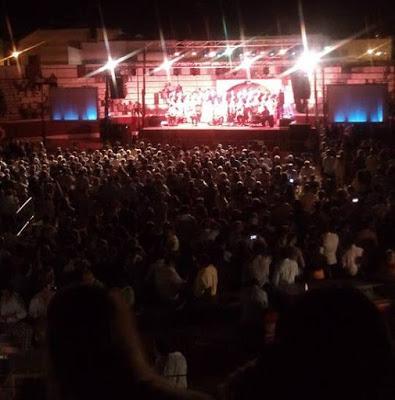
point(301, 89)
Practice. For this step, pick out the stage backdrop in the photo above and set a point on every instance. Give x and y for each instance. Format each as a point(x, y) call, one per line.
point(74, 104)
point(273, 85)
point(356, 103)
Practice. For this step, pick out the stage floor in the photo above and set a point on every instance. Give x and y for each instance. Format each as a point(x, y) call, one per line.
point(188, 134)
point(207, 127)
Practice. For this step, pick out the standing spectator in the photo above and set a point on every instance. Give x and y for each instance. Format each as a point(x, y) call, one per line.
point(287, 269)
point(172, 365)
point(206, 281)
point(351, 259)
point(330, 244)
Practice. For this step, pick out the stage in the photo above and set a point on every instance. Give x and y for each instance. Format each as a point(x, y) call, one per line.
point(288, 138)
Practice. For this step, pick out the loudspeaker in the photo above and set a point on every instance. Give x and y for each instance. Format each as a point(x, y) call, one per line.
point(117, 88)
point(300, 85)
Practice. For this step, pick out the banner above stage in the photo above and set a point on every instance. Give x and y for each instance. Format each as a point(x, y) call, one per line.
point(273, 86)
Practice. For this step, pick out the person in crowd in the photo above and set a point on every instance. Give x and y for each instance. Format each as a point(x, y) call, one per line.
point(258, 267)
point(330, 244)
point(168, 282)
point(206, 281)
point(172, 365)
point(287, 269)
point(351, 260)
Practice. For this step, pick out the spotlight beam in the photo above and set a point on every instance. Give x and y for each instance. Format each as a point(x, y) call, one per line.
point(325, 52)
point(16, 53)
point(112, 63)
point(167, 64)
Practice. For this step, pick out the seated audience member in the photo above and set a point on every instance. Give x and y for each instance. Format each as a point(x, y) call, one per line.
point(172, 365)
point(95, 350)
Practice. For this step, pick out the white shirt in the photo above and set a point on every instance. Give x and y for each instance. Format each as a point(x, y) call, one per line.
point(174, 368)
point(286, 272)
point(330, 242)
point(259, 269)
point(12, 310)
point(349, 259)
point(206, 280)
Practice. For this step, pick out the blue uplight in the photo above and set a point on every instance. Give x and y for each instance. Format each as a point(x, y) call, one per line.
point(74, 104)
point(357, 115)
point(91, 113)
point(56, 116)
point(356, 103)
point(70, 115)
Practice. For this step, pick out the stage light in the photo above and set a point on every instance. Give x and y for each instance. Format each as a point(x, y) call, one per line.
point(166, 65)
point(246, 64)
point(379, 53)
point(194, 53)
point(16, 53)
point(262, 52)
point(228, 51)
point(177, 53)
point(111, 64)
point(212, 53)
point(308, 61)
point(370, 51)
point(272, 53)
point(282, 52)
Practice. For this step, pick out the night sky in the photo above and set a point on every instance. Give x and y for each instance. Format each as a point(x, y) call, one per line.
point(201, 19)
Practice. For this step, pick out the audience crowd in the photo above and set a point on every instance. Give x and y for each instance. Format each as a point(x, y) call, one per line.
point(179, 228)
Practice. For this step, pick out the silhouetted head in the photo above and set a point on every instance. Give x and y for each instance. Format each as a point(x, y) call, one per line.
point(335, 345)
point(87, 351)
